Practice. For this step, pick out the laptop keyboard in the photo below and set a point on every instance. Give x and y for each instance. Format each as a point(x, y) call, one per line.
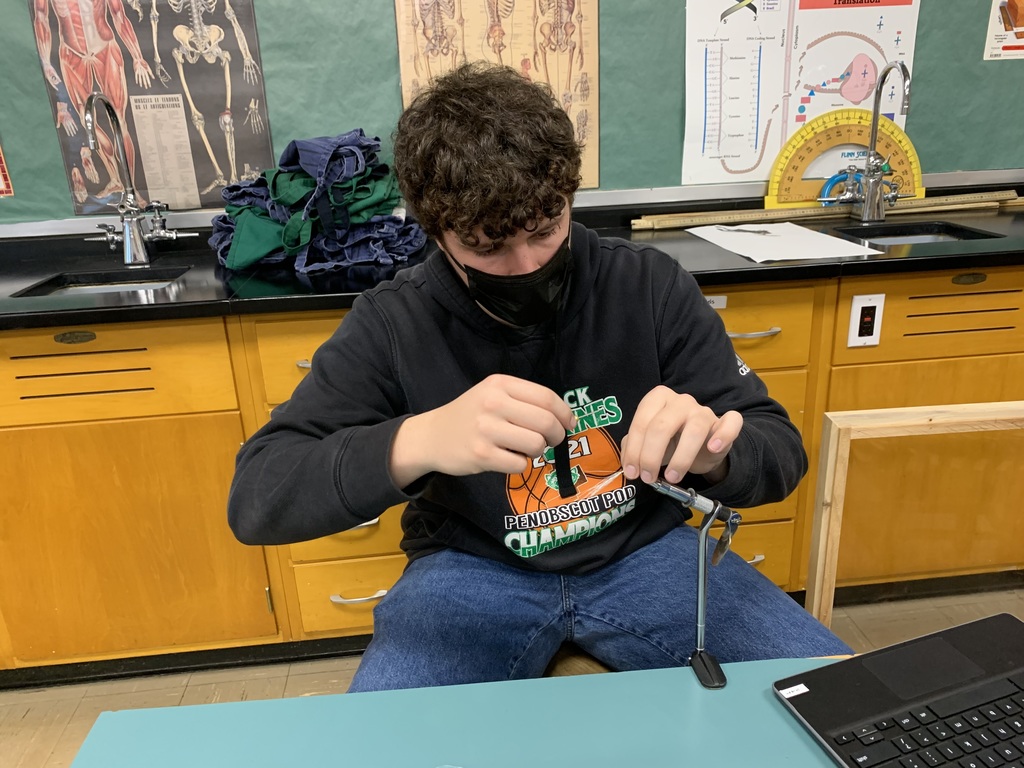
point(982, 727)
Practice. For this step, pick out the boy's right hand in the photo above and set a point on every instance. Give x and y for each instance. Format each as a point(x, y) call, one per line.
point(499, 425)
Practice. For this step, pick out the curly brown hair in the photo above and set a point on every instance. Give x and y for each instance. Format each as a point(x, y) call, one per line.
point(485, 147)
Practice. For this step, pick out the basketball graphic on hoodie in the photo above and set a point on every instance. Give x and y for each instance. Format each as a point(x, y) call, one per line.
point(593, 458)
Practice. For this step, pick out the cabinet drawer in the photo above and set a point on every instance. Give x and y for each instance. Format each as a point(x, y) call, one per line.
point(767, 546)
point(323, 589)
point(285, 347)
point(377, 538)
point(789, 388)
point(936, 315)
point(751, 317)
point(780, 510)
point(985, 379)
point(88, 373)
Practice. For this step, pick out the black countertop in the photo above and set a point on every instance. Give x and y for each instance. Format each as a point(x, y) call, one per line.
point(207, 289)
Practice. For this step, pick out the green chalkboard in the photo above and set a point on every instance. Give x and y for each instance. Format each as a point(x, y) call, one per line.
point(332, 65)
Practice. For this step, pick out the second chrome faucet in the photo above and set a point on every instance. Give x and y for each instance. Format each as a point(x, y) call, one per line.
point(873, 198)
point(866, 188)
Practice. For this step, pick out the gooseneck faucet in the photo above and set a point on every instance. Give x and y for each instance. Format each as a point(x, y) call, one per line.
point(871, 205)
point(132, 236)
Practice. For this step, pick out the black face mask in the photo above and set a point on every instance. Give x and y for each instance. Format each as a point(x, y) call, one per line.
point(523, 300)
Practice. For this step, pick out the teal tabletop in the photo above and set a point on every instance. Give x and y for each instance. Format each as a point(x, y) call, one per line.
point(650, 718)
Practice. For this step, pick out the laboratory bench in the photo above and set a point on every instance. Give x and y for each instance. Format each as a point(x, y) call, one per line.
point(209, 290)
point(121, 413)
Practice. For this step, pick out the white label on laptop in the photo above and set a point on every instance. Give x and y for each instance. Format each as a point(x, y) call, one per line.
point(796, 690)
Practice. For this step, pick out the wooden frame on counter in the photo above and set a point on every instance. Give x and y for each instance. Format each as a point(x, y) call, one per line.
point(839, 429)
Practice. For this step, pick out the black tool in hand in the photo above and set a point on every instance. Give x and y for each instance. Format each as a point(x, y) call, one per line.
point(705, 666)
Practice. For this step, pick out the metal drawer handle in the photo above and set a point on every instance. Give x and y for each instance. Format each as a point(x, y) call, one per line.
point(339, 600)
point(367, 524)
point(773, 331)
point(756, 559)
point(303, 364)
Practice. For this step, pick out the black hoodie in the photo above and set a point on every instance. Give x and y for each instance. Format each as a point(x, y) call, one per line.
point(633, 319)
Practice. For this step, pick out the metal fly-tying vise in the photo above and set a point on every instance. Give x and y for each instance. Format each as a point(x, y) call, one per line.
point(705, 666)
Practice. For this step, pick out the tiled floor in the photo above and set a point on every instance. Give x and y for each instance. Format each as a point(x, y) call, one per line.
point(865, 627)
point(44, 727)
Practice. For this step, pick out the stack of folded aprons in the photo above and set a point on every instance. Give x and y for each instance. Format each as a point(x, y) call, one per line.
point(330, 203)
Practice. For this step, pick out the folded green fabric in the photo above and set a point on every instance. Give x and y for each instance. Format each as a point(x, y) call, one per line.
point(365, 197)
point(256, 236)
point(289, 188)
point(297, 233)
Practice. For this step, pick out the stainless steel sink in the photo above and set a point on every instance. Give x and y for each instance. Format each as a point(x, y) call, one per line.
point(912, 232)
point(105, 281)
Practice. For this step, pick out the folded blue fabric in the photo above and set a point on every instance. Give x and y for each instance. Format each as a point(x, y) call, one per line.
point(383, 240)
point(330, 159)
point(220, 240)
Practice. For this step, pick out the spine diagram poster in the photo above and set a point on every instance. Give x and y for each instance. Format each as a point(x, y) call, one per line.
point(552, 41)
point(757, 70)
point(185, 81)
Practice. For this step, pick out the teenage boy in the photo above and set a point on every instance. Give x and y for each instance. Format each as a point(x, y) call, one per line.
point(520, 389)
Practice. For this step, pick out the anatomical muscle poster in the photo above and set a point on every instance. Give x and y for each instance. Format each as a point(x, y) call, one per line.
point(184, 81)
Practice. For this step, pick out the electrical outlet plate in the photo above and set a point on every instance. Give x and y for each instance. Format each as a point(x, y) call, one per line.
point(866, 320)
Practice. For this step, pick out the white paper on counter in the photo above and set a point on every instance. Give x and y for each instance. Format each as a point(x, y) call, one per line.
point(779, 242)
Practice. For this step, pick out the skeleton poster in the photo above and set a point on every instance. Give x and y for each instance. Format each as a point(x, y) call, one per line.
point(6, 190)
point(184, 80)
point(552, 41)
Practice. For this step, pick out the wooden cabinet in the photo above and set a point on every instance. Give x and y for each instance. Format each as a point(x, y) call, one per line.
point(937, 505)
point(331, 584)
point(780, 331)
point(118, 445)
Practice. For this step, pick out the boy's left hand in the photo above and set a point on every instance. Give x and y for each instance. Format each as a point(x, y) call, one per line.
point(674, 431)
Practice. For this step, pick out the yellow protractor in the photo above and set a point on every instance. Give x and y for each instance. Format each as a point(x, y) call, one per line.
point(788, 186)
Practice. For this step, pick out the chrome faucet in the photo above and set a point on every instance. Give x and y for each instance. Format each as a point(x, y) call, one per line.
point(132, 235)
point(867, 188)
point(871, 206)
point(135, 253)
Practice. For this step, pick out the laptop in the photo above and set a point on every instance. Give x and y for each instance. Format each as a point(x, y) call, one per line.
point(953, 698)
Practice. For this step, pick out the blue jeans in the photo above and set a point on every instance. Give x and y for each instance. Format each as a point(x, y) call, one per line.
point(456, 618)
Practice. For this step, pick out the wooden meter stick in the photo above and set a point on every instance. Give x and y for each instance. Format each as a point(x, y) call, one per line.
point(962, 202)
